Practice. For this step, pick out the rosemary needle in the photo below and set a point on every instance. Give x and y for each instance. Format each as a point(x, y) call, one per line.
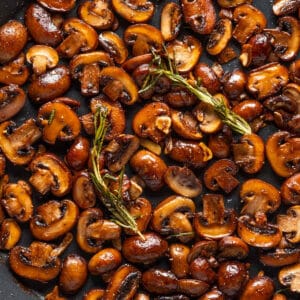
point(112, 201)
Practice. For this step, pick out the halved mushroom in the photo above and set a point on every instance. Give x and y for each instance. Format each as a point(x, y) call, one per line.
point(248, 153)
point(54, 295)
point(248, 109)
point(250, 21)
point(259, 196)
point(40, 261)
point(267, 80)
point(97, 13)
point(13, 37)
point(290, 190)
point(134, 11)
point(232, 247)
point(93, 294)
point(50, 85)
point(50, 174)
point(280, 257)
point(2, 173)
point(133, 62)
point(12, 100)
point(16, 143)
point(170, 21)
point(114, 45)
point(93, 230)
point(178, 255)
point(221, 175)
point(58, 5)
point(16, 200)
point(143, 38)
point(214, 222)
point(284, 7)
point(232, 3)
point(10, 234)
point(290, 224)
point(220, 37)
point(53, 219)
point(220, 143)
point(59, 122)
point(290, 276)
point(119, 151)
point(257, 232)
point(42, 26)
point(152, 121)
point(185, 53)
point(183, 181)
point(86, 69)
point(200, 15)
point(14, 72)
point(81, 38)
point(283, 152)
point(118, 85)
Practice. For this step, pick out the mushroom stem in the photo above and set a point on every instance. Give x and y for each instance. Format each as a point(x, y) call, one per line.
point(62, 246)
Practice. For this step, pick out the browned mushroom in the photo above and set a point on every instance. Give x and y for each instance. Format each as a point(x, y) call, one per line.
point(232, 3)
point(16, 200)
point(290, 190)
point(192, 287)
point(54, 295)
point(16, 143)
point(200, 15)
point(280, 257)
point(134, 11)
point(284, 7)
point(201, 269)
point(232, 247)
point(73, 275)
point(58, 5)
point(294, 71)
point(170, 21)
point(215, 222)
point(97, 13)
point(39, 262)
point(220, 142)
point(234, 83)
point(203, 248)
point(10, 234)
point(248, 109)
point(289, 276)
point(283, 152)
point(93, 294)
point(81, 38)
point(13, 37)
point(53, 219)
point(49, 173)
point(42, 26)
point(59, 122)
point(179, 259)
point(213, 294)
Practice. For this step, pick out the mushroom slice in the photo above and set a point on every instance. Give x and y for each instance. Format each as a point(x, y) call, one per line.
point(209, 122)
point(58, 5)
point(59, 121)
point(185, 54)
point(53, 219)
point(39, 262)
point(290, 276)
point(248, 153)
point(16, 200)
point(285, 7)
point(134, 11)
point(54, 295)
point(118, 85)
point(232, 3)
point(183, 181)
point(170, 21)
point(249, 21)
point(16, 143)
point(97, 13)
point(50, 174)
point(280, 257)
point(143, 38)
point(114, 45)
point(258, 233)
point(220, 175)
point(203, 248)
point(232, 247)
point(215, 222)
point(133, 62)
point(12, 100)
point(86, 68)
point(42, 57)
point(283, 153)
point(290, 190)
point(81, 38)
point(10, 234)
point(119, 151)
point(153, 121)
point(259, 196)
point(220, 37)
point(200, 15)
point(267, 80)
point(14, 72)
point(290, 224)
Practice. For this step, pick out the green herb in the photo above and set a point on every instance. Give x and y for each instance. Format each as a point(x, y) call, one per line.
point(113, 201)
point(165, 67)
point(51, 117)
point(182, 234)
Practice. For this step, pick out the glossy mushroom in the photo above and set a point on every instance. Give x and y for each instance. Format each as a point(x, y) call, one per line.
point(179, 259)
point(289, 276)
point(232, 247)
point(290, 190)
point(10, 234)
point(58, 5)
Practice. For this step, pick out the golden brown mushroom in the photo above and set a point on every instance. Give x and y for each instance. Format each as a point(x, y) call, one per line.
point(290, 190)
point(58, 5)
point(179, 259)
point(284, 7)
point(10, 234)
point(290, 276)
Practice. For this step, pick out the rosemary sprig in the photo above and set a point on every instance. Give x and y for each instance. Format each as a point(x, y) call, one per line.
point(112, 201)
point(161, 67)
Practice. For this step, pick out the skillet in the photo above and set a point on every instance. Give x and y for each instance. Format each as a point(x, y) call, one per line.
point(13, 288)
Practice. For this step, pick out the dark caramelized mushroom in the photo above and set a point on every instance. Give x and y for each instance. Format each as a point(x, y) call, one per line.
point(10, 234)
point(234, 83)
point(192, 287)
point(213, 294)
point(220, 142)
point(179, 259)
point(280, 257)
point(290, 190)
point(58, 5)
point(232, 247)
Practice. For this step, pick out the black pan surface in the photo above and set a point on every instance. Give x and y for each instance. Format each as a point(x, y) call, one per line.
point(14, 288)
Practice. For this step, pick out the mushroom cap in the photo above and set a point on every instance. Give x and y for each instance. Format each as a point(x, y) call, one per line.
point(37, 51)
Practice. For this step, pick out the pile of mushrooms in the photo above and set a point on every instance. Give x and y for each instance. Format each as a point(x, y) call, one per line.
point(194, 245)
